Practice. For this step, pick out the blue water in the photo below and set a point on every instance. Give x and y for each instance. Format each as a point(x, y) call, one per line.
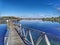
point(3, 29)
point(45, 26)
point(52, 30)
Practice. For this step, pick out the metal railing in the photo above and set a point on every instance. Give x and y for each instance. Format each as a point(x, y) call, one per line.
point(27, 35)
point(37, 37)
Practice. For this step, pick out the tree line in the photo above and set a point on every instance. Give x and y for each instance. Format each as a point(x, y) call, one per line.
point(56, 19)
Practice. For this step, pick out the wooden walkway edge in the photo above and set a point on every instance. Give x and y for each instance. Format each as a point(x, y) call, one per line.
point(14, 38)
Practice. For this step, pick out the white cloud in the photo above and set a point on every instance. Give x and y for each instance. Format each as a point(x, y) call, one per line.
point(58, 8)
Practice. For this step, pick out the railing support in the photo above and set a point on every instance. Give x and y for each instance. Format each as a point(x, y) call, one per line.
point(26, 33)
point(20, 29)
point(23, 32)
point(31, 38)
point(46, 39)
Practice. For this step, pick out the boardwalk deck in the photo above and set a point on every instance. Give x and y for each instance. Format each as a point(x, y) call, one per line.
point(14, 38)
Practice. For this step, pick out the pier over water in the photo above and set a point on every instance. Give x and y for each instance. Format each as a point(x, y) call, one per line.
point(13, 38)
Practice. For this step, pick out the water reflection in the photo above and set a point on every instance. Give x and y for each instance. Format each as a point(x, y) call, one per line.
point(45, 26)
point(52, 21)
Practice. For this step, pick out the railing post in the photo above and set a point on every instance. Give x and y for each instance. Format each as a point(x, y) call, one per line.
point(46, 39)
point(31, 38)
point(26, 33)
point(20, 29)
point(23, 32)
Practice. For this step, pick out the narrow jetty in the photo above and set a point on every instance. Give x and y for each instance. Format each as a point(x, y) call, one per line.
point(13, 38)
point(16, 38)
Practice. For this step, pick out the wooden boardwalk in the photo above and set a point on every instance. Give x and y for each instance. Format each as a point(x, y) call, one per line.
point(13, 38)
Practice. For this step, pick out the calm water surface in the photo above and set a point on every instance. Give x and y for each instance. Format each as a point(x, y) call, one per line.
point(48, 27)
point(3, 29)
point(52, 29)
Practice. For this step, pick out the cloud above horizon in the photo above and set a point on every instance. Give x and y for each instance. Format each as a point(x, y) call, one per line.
point(30, 8)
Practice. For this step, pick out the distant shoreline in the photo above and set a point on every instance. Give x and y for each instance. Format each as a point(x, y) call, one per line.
point(4, 18)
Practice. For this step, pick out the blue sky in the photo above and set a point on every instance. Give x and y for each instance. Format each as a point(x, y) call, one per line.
point(30, 8)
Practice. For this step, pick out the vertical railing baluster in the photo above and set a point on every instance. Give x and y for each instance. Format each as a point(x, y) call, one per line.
point(46, 39)
point(23, 32)
point(20, 29)
point(26, 33)
point(31, 38)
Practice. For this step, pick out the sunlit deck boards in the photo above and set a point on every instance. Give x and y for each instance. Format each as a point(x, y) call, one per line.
point(13, 38)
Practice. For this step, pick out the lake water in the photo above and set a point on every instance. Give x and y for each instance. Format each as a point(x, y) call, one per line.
point(3, 29)
point(52, 29)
